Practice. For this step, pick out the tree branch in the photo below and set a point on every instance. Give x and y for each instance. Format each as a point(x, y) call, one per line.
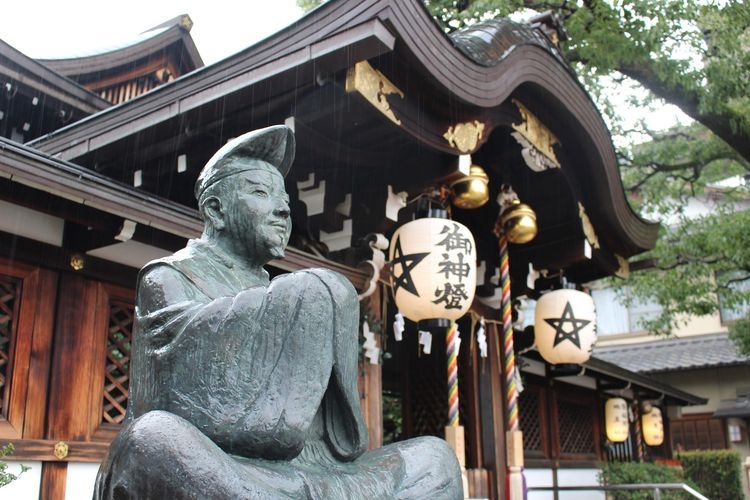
point(689, 102)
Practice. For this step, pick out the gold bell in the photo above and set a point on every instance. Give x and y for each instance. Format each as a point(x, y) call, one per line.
point(516, 220)
point(519, 223)
point(471, 191)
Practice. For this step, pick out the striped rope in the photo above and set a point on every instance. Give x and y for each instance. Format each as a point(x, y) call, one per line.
point(511, 394)
point(639, 451)
point(451, 350)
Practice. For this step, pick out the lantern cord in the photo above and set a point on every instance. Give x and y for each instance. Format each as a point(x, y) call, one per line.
point(511, 394)
point(451, 349)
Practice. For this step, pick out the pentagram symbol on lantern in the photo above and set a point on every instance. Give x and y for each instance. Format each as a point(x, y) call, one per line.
point(407, 263)
point(561, 334)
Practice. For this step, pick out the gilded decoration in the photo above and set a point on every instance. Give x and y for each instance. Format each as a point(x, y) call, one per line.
point(536, 140)
point(588, 228)
point(61, 450)
point(465, 136)
point(373, 86)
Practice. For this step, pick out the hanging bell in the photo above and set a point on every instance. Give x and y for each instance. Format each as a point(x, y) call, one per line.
point(471, 191)
point(518, 222)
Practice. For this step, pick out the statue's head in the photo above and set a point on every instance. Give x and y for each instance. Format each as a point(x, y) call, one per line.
point(241, 195)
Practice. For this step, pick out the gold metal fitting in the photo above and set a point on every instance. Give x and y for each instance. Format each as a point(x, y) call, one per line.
point(61, 450)
point(77, 262)
point(471, 191)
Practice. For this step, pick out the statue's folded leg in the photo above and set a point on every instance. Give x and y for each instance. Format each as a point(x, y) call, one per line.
point(431, 470)
point(423, 467)
point(160, 455)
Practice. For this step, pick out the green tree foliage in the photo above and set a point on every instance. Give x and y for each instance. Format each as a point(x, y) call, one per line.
point(5, 476)
point(694, 54)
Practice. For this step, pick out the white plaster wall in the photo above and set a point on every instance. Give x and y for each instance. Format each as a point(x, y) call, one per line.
point(31, 224)
point(579, 477)
point(539, 477)
point(26, 487)
point(79, 484)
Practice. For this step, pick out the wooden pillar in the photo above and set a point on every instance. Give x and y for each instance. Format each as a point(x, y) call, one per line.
point(371, 379)
point(40, 356)
point(492, 411)
point(73, 357)
point(374, 402)
point(54, 475)
point(469, 366)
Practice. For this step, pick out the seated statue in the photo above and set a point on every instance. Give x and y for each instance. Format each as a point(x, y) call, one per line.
point(245, 388)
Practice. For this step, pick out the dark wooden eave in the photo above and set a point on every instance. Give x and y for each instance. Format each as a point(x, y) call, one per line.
point(27, 71)
point(175, 31)
point(26, 166)
point(675, 395)
point(342, 32)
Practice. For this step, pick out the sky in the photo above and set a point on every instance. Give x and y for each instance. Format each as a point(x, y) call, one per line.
point(65, 28)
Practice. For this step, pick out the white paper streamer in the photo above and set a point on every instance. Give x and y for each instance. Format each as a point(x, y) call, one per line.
point(482, 339)
point(372, 351)
point(425, 340)
point(398, 327)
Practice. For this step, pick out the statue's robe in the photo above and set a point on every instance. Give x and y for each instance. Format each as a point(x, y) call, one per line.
point(245, 389)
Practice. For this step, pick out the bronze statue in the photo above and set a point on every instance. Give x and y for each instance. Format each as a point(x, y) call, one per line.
point(245, 388)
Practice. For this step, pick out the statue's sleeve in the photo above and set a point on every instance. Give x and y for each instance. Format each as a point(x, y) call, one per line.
point(169, 305)
point(171, 315)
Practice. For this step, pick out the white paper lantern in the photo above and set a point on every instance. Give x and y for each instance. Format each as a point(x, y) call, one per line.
point(653, 427)
point(616, 419)
point(433, 269)
point(565, 326)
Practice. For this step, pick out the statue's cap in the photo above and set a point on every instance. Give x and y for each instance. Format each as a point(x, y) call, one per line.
point(273, 145)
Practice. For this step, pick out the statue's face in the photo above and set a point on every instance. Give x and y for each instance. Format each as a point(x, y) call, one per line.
point(257, 215)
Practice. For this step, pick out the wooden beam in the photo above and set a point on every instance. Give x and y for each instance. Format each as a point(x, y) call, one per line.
point(43, 450)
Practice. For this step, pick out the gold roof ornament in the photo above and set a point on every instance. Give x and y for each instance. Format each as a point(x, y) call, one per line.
point(465, 136)
point(373, 86)
point(536, 139)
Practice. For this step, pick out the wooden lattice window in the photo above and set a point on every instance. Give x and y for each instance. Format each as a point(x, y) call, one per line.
point(117, 370)
point(530, 419)
point(576, 428)
point(10, 292)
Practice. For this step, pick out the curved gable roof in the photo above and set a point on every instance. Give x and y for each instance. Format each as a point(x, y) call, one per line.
point(148, 43)
point(481, 67)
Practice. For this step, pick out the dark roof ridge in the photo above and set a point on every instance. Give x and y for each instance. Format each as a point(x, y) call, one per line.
point(183, 21)
point(87, 101)
point(488, 42)
point(165, 34)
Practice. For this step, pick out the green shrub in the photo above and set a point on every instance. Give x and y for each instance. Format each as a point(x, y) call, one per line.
point(717, 473)
point(639, 473)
